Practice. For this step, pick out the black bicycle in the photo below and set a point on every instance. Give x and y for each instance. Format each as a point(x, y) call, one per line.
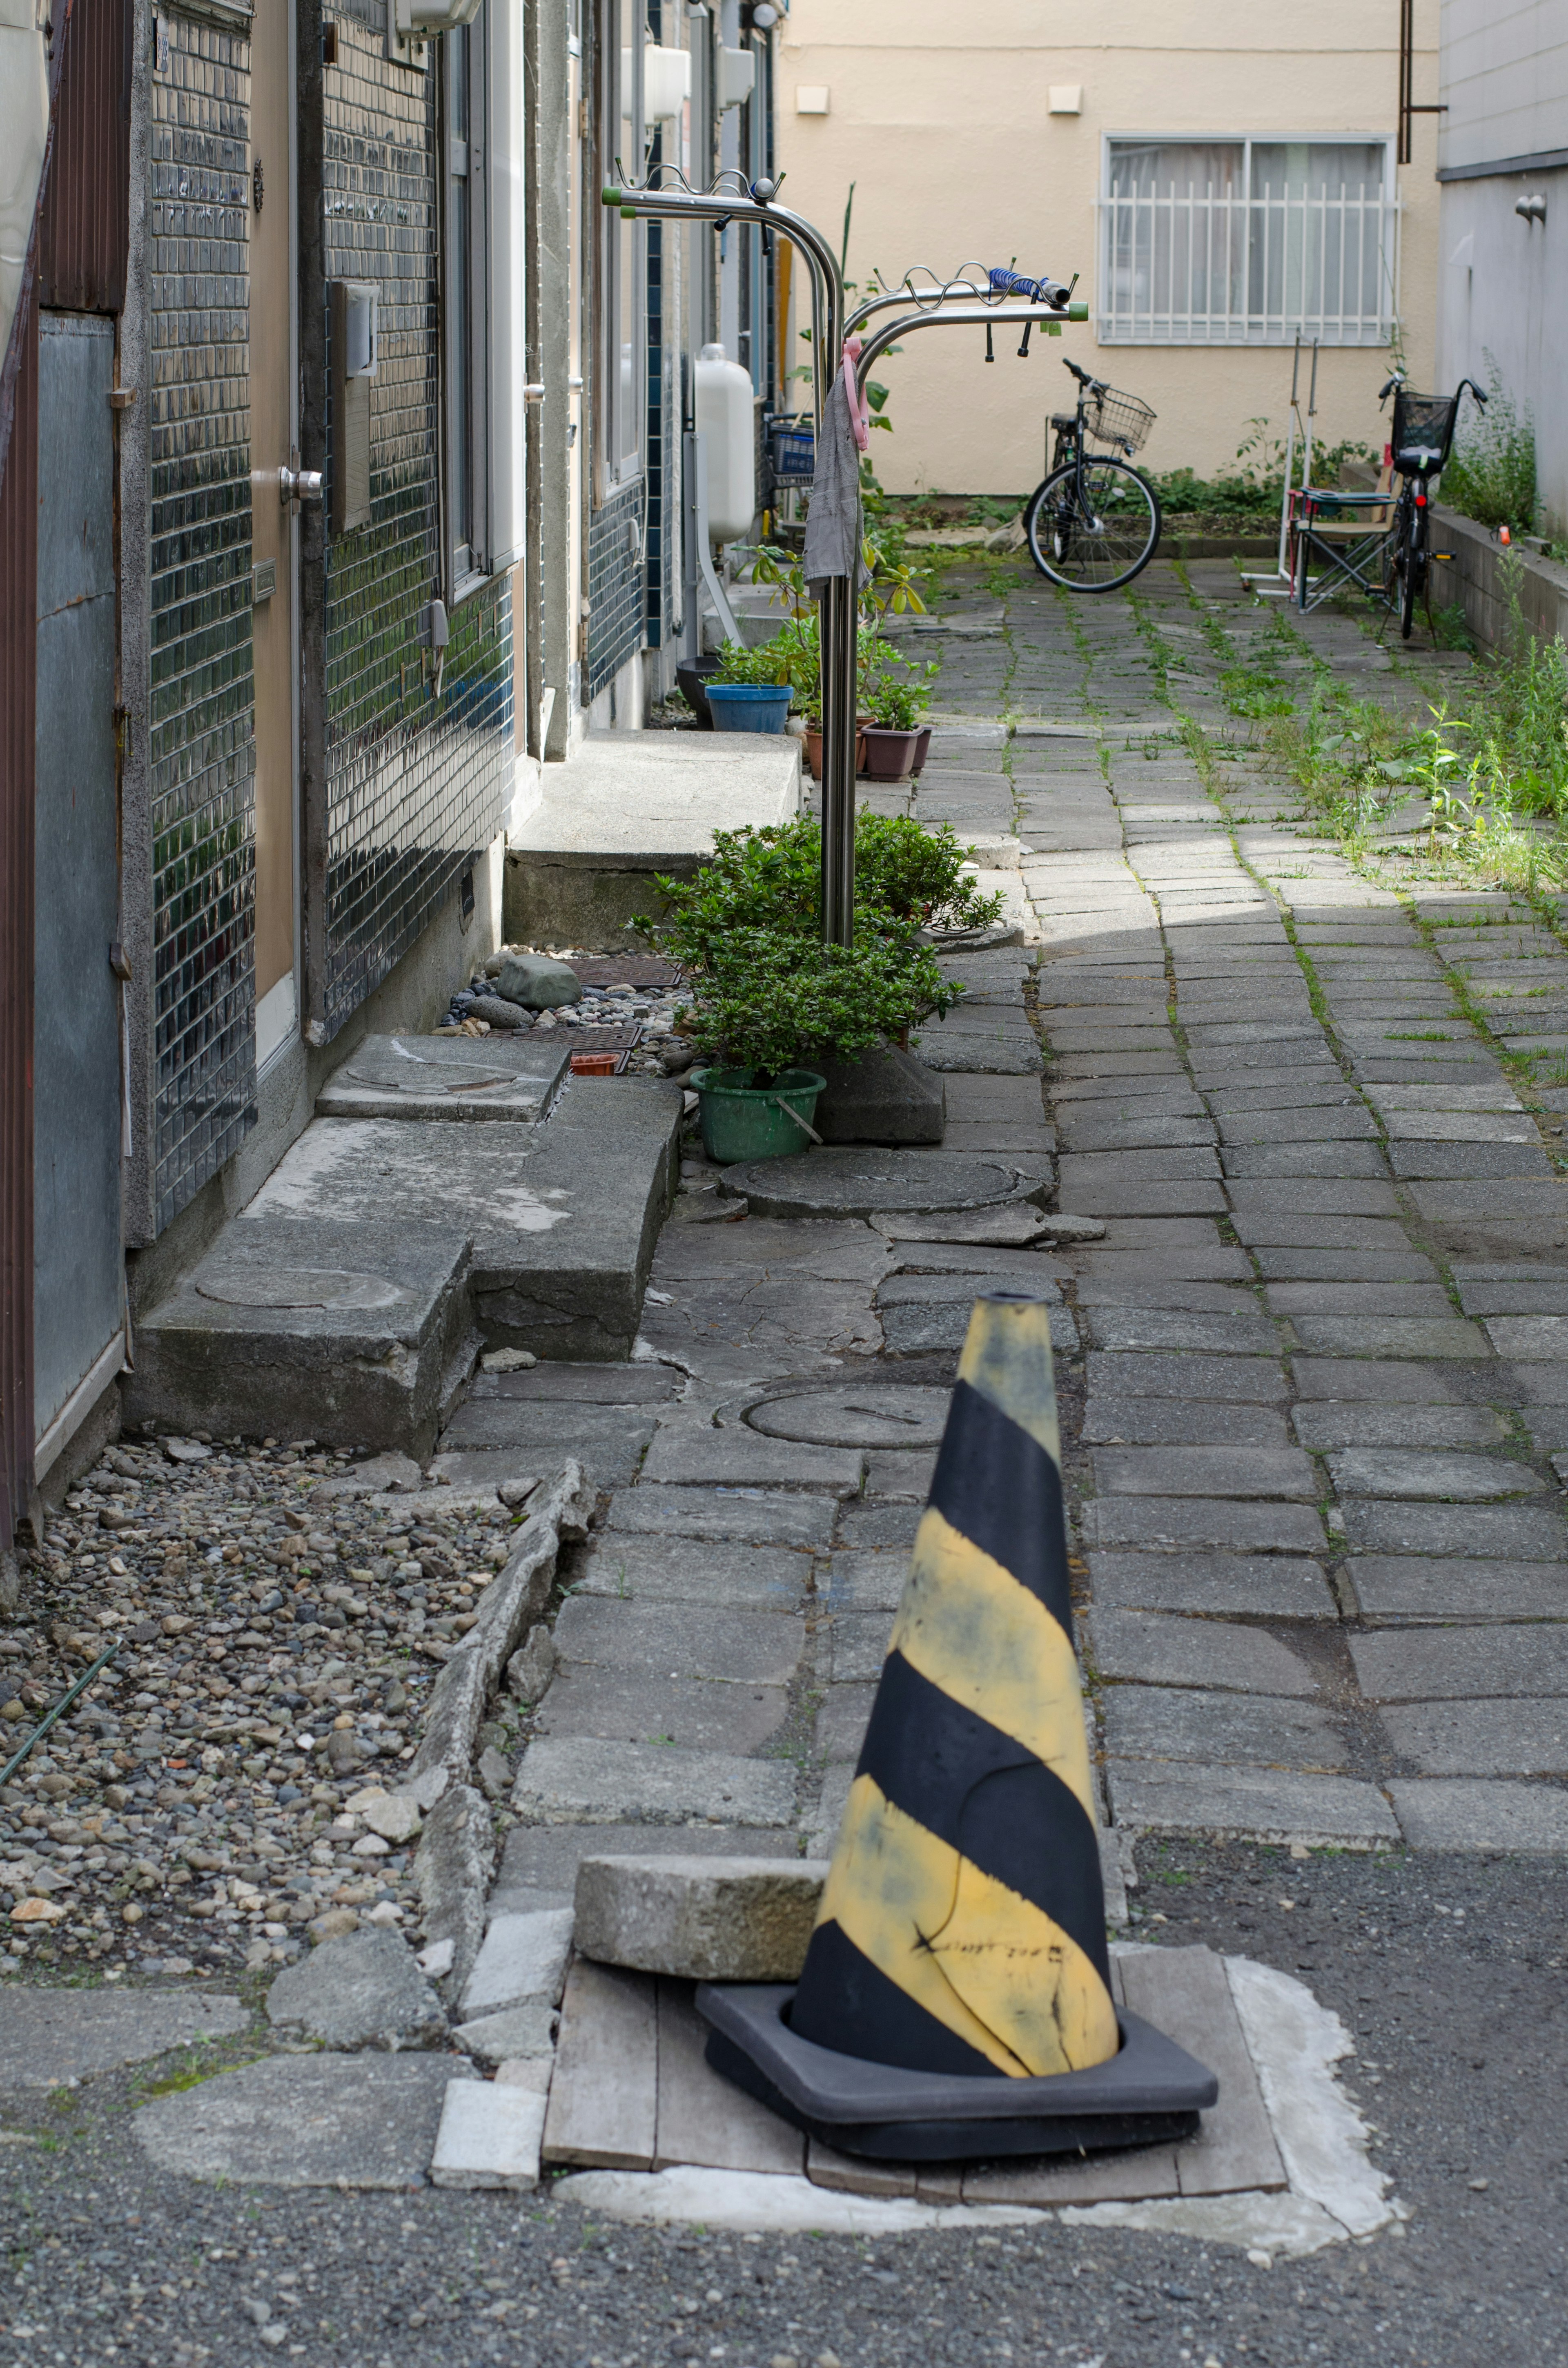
point(1094, 523)
point(1423, 435)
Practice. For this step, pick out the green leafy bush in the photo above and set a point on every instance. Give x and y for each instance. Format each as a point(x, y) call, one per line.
point(766, 663)
point(1491, 472)
point(897, 692)
point(768, 1000)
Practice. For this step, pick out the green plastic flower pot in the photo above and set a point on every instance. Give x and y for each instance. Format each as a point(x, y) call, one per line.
point(741, 1121)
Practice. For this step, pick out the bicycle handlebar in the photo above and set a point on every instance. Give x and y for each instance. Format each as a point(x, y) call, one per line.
point(1082, 376)
point(1037, 291)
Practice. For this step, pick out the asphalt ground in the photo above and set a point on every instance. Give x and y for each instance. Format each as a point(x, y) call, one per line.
point(1448, 1972)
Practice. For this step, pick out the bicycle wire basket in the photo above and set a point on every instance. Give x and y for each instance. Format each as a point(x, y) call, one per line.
point(1116, 419)
point(1423, 430)
point(792, 450)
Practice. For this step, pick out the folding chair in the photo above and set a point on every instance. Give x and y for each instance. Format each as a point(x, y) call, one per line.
point(1353, 550)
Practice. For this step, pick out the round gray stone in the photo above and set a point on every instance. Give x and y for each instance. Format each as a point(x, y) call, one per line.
point(301, 1286)
point(854, 1181)
point(904, 1414)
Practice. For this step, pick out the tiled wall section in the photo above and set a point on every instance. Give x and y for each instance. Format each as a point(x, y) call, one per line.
point(200, 749)
point(416, 788)
point(616, 587)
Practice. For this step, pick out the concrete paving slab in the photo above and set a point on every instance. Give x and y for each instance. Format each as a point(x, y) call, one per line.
point(1231, 1471)
point(856, 1646)
point(1356, 1380)
point(446, 1077)
point(1451, 1814)
point(902, 1475)
point(1462, 1664)
point(523, 1957)
point(1157, 1523)
point(361, 1989)
point(489, 2136)
point(305, 2121)
point(1528, 1336)
point(1482, 1738)
point(1259, 1587)
point(1388, 1335)
point(865, 1581)
point(687, 1640)
point(50, 2038)
point(1173, 1723)
point(1407, 1473)
point(1160, 1422)
point(743, 1516)
point(1418, 1300)
point(587, 1385)
point(541, 1861)
point(842, 1720)
point(362, 1320)
point(1468, 1161)
point(1308, 1162)
point(1441, 1587)
point(1326, 1196)
point(608, 1441)
point(1513, 1533)
point(1248, 1334)
point(685, 1570)
point(1272, 1228)
point(1269, 1805)
point(1015, 1224)
point(577, 1781)
point(1242, 1379)
point(1322, 1424)
point(698, 1456)
point(1147, 1648)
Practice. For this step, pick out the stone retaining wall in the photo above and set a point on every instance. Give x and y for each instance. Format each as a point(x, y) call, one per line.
point(1473, 580)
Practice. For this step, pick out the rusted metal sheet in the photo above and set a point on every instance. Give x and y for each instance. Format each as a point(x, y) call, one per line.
point(18, 659)
point(82, 246)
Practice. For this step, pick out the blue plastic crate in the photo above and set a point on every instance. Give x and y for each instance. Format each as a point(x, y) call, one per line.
point(793, 453)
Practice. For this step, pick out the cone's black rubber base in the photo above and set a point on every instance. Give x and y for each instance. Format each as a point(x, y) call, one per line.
point(1150, 2093)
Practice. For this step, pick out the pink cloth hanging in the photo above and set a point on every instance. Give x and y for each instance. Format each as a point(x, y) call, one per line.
point(859, 417)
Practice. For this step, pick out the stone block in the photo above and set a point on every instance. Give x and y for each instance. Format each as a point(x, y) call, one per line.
point(691, 1456)
point(1482, 1738)
point(902, 1476)
point(639, 1706)
point(1512, 1532)
point(1156, 1524)
point(885, 1096)
point(1462, 1664)
point(305, 2121)
point(1015, 1224)
point(1254, 1381)
point(1148, 1648)
point(448, 1077)
point(706, 1919)
point(539, 1863)
point(1268, 1804)
point(362, 1989)
point(522, 1957)
point(842, 1720)
point(1388, 1335)
point(489, 2137)
point(1246, 1730)
point(1322, 1425)
point(1397, 1588)
point(1527, 1337)
point(1408, 1472)
point(1243, 1334)
point(690, 1570)
point(1172, 1422)
point(737, 1516)
point(608, 1441)
point(1451, 1814)
point(53, 2038)
point(858, 1645)
point(1362, 1297)
point(1258, 1587)
point(518, 2032)
point(865, 1582)
point(1356, 1380)
point(357, 1322)
point(578, 1780)
point(689, 1640)
point(1282, 1472)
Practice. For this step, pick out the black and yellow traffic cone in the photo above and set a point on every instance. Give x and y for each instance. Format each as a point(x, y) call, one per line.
point(956, 1994)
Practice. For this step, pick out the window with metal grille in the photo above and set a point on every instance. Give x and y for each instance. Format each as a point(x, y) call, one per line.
point(1244, 242)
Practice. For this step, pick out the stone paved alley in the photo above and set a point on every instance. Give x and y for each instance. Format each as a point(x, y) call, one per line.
point(1310, 1375)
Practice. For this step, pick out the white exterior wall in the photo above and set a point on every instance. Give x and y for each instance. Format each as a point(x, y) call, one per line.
point(1504, 80)
point(940, 115)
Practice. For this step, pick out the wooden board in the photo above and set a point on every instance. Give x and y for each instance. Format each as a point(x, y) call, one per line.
point(703, 2118)
point(1185, 1993)
point(603, 2099)
point(1130, 2176)
point(850, 2175)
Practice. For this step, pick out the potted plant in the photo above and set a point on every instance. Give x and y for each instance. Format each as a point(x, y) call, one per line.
point(749, 689)
point(898, 697)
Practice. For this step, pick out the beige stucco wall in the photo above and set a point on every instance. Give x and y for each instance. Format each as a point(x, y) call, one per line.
point(938, 114)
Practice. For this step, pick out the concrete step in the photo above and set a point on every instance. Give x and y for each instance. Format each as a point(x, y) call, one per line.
point(512, 1077)
point(626, 805)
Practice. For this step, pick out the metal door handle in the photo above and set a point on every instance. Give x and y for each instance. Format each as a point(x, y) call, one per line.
point(302, 485)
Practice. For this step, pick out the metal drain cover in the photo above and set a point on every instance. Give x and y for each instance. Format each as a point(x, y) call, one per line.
point(299, 1287)
point(901, 1415)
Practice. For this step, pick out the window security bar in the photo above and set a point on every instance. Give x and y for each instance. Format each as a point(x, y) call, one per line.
point(1217, 268)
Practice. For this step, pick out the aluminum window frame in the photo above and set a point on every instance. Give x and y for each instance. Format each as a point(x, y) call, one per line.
point(466, 359)
point(1231, 325)
point(619, 458)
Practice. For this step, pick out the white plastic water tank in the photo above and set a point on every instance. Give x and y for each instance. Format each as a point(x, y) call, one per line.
point(726, 420)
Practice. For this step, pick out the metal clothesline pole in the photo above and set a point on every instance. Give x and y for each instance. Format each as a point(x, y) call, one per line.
point(835, 615)
point(961, 316)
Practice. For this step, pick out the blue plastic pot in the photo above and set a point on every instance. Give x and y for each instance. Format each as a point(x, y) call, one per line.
point(748, 706)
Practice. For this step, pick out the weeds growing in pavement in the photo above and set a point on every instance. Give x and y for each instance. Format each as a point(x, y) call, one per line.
point(1491, 472)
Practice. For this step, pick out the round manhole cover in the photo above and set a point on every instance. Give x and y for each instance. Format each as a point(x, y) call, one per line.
point(410, 1073)
point(286, 1287)
point(853, 1182)
point(903, 1415)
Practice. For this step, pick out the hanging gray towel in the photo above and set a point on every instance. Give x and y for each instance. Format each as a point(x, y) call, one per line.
point(834, 527)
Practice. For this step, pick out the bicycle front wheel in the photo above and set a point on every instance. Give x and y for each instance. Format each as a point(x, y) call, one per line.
point(1093, 530)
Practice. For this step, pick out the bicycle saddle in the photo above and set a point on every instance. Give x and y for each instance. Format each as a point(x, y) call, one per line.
point(1064, 419)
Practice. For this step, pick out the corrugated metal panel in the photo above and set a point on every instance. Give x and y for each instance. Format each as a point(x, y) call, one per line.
point(82, 248)
point(19, 640)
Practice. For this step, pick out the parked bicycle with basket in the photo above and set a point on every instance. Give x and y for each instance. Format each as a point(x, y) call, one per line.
point(1094, 523)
